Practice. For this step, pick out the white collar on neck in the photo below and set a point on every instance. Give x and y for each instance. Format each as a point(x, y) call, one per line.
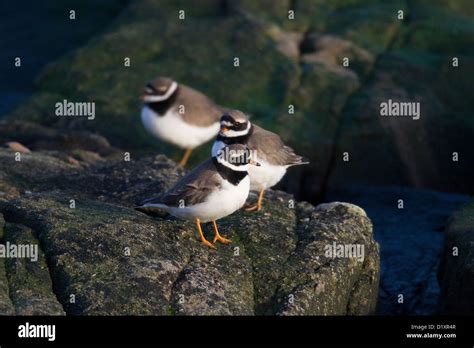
point(241, 168)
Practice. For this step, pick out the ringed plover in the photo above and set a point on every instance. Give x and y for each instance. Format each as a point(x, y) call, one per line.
point(216, 188)
point(273, 155)
point(179, 114)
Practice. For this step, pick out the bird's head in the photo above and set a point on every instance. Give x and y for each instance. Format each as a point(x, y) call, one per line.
point(159, 89)
point(237, 157)
point(234, 123)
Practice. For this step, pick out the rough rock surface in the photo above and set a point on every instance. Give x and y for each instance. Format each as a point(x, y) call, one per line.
point(104, 257)
point(456, 273)
point(6, 305)
point(29, 282)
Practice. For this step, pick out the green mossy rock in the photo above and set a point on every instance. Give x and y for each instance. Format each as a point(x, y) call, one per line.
point(106, 258)
point(30, 285)
point(417, 67)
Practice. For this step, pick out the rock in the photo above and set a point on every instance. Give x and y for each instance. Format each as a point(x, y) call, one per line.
point(30, 285)
point(287, 42)
point(330, 50)
point(6, 305)
point(317, 284)
point(349, 207)
point(37, 137)
point(363, 22)
point(456, 272)
point(30, 171)
point(17, 147)
point(2, 226)
point(115, 260)
point(264, 10)
point(420, 153)
point(403, 144)
point(410, 255)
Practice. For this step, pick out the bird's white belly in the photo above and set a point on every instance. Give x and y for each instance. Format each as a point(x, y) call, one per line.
point(266, 175)
point(172, 128)
point(218, 204)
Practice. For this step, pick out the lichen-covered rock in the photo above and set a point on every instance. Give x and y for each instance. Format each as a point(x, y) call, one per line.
point(331, 285)
point(2, 227)
point(30, 285)
point(6, 305)
point(37, 137)
point(23, 172)
point(104, 257)
point(456, 272)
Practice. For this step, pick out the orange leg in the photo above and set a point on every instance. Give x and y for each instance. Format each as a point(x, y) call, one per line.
point(218, 237)
point(185, 158)
point(201, 236)
point(257, 206)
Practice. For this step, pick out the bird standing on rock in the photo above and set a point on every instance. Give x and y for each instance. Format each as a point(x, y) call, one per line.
point(270, 151)
point(216, 188)
point(179, 114)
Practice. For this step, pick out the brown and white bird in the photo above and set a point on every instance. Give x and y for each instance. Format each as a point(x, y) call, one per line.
point(216, 188)
point(179, 114)
point(269, 150)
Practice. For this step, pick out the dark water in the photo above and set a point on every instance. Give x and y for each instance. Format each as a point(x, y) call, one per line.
point(411, 241)
point(39, 32)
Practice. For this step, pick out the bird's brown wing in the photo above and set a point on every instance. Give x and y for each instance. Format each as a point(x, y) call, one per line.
point(271, 148)
point(199, 110)
point(194, 187)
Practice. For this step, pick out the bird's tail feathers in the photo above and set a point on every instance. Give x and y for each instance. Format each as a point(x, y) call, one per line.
point(299, 160)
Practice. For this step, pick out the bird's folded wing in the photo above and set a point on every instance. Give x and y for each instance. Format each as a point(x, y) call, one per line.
point(194, 187)
point(190, 194)
point(277, 152)
point(199, 109)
